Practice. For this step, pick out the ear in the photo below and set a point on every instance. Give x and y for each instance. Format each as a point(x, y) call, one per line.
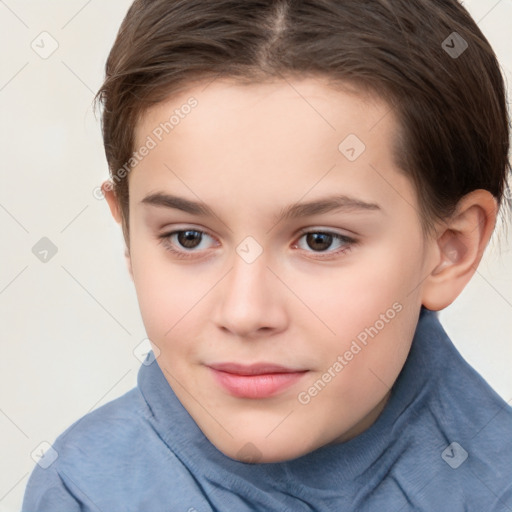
point(115, 210)
point(108, 192)
point(458, 248)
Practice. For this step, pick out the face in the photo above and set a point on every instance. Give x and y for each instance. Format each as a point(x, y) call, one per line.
point(284, 303)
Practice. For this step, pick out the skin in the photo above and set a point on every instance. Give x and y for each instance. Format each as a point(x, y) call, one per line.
point(247, 152)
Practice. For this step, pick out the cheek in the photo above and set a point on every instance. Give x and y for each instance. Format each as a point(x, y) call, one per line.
point(365, 362)
point(372, 313)
point(165, 292)
point(349, 298)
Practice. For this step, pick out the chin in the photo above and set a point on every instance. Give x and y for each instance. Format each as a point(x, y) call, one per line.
point(265, 451)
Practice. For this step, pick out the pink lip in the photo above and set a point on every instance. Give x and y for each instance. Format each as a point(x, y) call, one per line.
point(259, 380)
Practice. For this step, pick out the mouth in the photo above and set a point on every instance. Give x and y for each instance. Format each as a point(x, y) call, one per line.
point(260, 380)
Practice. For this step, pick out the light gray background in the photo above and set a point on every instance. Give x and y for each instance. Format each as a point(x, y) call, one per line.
point(69, 326)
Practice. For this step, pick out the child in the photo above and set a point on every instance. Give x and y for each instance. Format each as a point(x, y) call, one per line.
point(285, 376)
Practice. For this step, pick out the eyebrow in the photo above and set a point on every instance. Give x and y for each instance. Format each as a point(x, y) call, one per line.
point(306, 209)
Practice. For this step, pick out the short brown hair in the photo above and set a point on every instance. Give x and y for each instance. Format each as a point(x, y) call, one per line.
point(451, 105)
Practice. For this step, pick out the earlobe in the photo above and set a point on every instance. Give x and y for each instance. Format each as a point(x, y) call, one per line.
point(459, 249)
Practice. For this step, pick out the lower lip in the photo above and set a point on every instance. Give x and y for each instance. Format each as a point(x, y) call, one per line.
point(256, 386)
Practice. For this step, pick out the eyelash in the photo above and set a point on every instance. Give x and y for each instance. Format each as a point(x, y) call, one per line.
point(164, 239)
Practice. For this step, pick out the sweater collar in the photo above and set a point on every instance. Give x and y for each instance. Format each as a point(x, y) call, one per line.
point(429, 349)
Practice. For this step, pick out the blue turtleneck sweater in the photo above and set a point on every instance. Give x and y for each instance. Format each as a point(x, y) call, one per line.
point(442, 443)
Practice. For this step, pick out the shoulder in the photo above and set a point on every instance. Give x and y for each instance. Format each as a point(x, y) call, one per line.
point(85, 449)
point(112, 458)
point(107, 435)
point(467, 404)
point(455, 423)
point(462, 401)
point(98, 442)
point(121, 413)
point(474, 430)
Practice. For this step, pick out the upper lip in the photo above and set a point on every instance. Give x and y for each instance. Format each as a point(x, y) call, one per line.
point(253, 369)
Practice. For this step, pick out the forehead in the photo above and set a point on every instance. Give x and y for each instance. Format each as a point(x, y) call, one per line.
point(266, 141)
point(281, 124)
point(312, 101)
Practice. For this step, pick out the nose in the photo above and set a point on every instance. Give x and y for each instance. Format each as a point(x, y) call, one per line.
point(250, 299)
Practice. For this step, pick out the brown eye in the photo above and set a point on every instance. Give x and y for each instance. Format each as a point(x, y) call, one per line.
point(186, 243)
point(325, 244)
point(319, 241)
point(189, 239)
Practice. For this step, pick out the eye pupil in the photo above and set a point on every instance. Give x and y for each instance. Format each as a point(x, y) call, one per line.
point(188, 238)
point(324, 238)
